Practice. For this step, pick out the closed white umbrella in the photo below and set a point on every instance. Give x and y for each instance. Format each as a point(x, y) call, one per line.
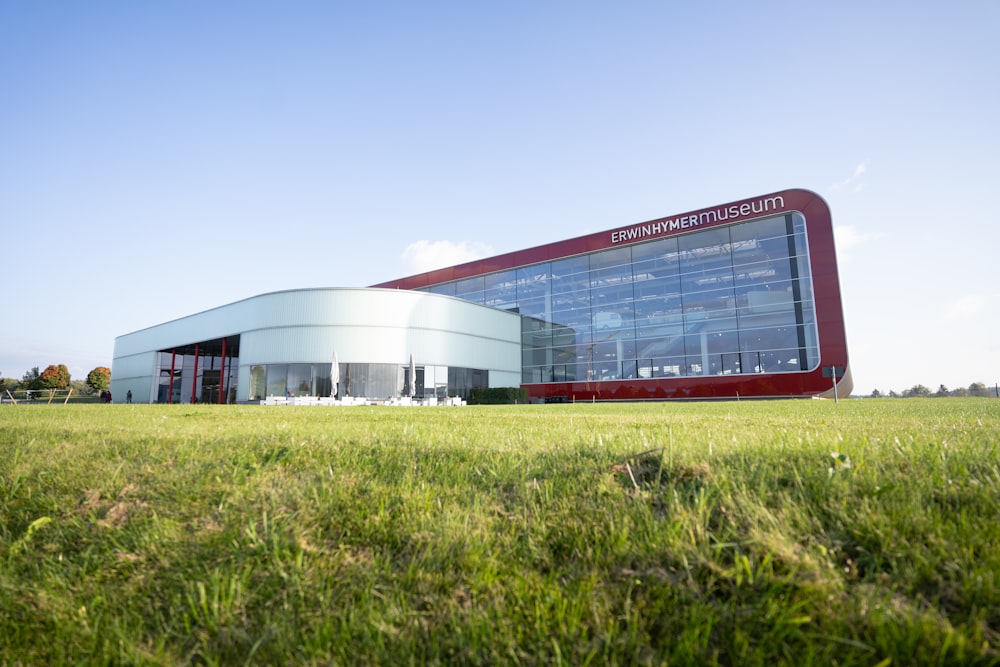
point(334, 376)
point(413, 378)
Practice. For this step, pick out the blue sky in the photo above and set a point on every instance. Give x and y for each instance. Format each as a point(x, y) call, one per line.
point(162, 158)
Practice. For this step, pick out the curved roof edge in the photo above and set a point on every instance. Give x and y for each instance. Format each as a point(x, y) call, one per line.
point(742, 210)
point(294, 291)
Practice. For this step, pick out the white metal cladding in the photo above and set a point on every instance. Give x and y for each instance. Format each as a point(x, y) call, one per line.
point(134, 365)
point(505, 379)
point(363, 325)
point(134, 373)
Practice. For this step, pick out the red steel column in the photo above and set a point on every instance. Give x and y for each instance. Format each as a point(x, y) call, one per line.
point(194, 379)
point(222, 373)
point(173, 357)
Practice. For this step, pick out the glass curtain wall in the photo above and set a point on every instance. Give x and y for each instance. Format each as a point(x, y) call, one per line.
point(169, 390)
point(191, 382)
point(375, 381)
point(534, 303)
point(721, 301)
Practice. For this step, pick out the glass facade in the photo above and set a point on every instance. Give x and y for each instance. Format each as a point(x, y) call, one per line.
point(289, 380)
point(376, 381)
point(189, 375)
point(726, 300)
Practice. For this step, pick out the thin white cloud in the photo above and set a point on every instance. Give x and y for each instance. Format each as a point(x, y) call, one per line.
point(424, 255)
point(853, 182)
point(968, 305)
point(847, 237)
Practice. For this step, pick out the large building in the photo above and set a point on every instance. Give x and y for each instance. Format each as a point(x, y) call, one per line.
point(736, 300)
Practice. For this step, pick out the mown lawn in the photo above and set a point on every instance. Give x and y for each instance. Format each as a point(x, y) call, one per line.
point(750, 533)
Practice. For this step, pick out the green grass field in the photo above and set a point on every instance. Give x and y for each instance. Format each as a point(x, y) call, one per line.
point(751, 533)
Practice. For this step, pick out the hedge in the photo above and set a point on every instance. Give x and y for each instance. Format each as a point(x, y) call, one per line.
point(497, 395)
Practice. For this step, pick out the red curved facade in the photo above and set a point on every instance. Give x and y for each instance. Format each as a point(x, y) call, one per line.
point(819, 380)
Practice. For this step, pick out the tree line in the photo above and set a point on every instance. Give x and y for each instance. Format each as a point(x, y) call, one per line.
point(57, 376)
point(920, 391)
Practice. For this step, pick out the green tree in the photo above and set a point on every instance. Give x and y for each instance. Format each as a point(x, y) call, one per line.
point(941, 392)
point(916, 391)
point(978, 389)
point(32, 379)
point(80, 387)
point(55, 377)
point(99, 379)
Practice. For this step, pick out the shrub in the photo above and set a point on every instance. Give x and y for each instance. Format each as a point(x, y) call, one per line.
point(497, 395)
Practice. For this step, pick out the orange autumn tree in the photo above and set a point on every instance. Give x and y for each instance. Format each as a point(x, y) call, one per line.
point(55, 377)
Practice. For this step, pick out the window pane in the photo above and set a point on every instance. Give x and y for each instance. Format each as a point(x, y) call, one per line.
point(470, 289)
point(611, 294)
point(276, 379)
point(501, 290)
point(300, 379)
point(258, 386)
point(533, 297)
point(448, 289)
